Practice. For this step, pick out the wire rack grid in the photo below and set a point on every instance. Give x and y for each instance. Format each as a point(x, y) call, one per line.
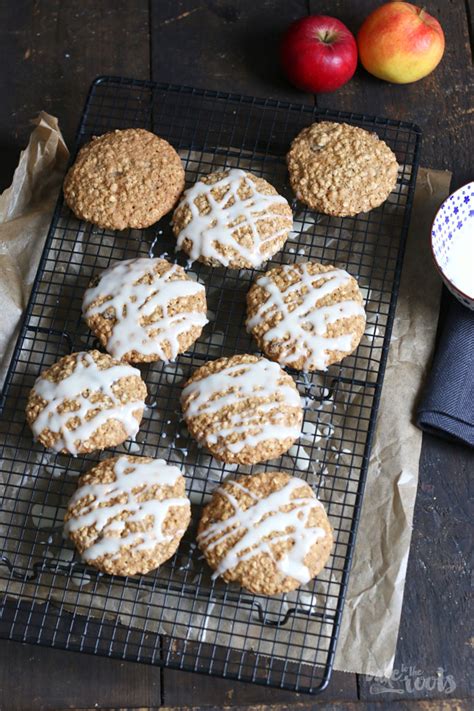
point(177, 616)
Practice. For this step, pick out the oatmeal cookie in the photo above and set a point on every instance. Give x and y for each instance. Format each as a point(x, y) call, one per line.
point(144, 310)
point(306, 316)
point(268, 532)
point(128, 514)
point(244, 409)
point(341, 170)
point(86, 401)
point(128, 178)
point(232, 218)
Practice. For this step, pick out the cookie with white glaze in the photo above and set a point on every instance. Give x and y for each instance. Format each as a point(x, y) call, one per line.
point(84, 402)
point(243, 409)
point(306, 316)
point(144, 310)
point(232, 218)
point(128, 514)
point(268, 532)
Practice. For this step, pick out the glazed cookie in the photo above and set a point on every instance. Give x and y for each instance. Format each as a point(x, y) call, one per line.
point(306, 316)
point(232, 218)
point(244, 409)
point(268, 532)
point(128, 178)
point(128, 514)
point(144, 310)
point(86, 401)
point(341, 170)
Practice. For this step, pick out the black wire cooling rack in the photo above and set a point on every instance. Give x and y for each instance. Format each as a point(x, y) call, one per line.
point(177, 616)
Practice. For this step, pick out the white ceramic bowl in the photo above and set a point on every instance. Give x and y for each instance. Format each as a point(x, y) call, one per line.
point(452, 216)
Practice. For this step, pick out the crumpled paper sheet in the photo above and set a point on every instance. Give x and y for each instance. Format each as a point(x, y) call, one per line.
point(370, 623)
point(25, 214)
point(372, 611)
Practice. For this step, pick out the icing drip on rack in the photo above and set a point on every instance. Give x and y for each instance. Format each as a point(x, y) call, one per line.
point(302, 329)
point(132, 479)
point(264, 518)
point(133, 302)
point(87, 378)
point(234, 384)
point(219, 225)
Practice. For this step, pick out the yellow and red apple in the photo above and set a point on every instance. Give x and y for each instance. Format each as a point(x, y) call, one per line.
point(400, 42)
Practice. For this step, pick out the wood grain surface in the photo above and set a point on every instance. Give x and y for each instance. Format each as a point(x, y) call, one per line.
point(50, 51)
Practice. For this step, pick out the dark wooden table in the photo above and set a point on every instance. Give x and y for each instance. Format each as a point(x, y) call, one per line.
point(51, 50)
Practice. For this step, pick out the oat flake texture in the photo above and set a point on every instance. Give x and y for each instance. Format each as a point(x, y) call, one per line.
point(267, 531)
point(128, 514)
point(232, 218)
point(306, 316)
point(341, 170)
point(243, 409)
point(145, 310)
point(84, 402)
point(128, 178)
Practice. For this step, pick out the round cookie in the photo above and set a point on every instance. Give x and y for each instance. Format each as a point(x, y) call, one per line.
point(243, 409)
point(128, 514)
point(341, 170)
point(86, 401)
point(268, 532)
point(128, 178)
point(232, 219)
point(144, 310)
point(306, 316)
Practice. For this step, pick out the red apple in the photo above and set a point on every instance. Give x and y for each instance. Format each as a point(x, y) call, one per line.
point(318, 53)
point(400, 42)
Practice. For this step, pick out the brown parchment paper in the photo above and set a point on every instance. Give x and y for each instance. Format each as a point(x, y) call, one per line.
point(371, 617)
point(372, 613)
point(25, 214)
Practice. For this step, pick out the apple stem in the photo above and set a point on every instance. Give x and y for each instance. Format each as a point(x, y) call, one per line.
point(328, 36)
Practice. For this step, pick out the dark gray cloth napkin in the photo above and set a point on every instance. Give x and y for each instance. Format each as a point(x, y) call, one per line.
point(447, 407)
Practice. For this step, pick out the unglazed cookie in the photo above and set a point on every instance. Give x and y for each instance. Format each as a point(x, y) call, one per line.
point(306, 316)
point(268, 532)
point(244, 409)
point(86, 401)
point(128, 178)
point(232, 218)
point(341, 170)
point(128, 514)
point(144, 310)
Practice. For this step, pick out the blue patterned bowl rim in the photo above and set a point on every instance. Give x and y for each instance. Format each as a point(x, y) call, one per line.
point(439, 212)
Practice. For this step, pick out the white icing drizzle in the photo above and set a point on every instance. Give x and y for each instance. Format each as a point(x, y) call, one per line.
point(86, 376)
point(298, 452)
point(101, 513)
point(302, 329)
point(133, 302)
point(206, 231)
point(262, 519)
point(258, 422)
